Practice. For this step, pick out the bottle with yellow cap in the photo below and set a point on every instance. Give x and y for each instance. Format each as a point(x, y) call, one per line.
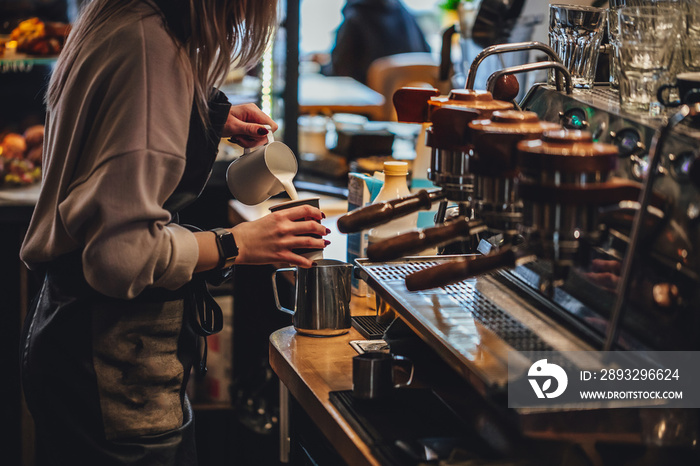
point(395, 186)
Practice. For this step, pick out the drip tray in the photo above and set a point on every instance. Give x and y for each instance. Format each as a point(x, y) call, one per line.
point(473, 324)
point(412, 426)
point(465, 294)
point(369, 327)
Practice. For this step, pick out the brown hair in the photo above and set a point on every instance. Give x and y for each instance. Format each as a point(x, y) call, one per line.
point(223, 32)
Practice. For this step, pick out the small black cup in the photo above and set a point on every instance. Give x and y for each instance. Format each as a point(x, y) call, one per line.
point(374, 374)
point(688, 86)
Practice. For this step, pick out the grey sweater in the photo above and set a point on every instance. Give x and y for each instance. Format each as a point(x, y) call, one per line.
point(114, 152)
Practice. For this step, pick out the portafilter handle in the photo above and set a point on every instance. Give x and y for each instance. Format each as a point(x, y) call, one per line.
point(416, 241)
point(503, 48)
point(466, 267)
point(378, 214)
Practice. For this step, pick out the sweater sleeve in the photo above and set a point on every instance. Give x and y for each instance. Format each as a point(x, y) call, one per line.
point(131, 161)
point(128, 242)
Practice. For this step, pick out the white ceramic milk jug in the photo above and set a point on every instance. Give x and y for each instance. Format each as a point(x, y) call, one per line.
point(262, 171)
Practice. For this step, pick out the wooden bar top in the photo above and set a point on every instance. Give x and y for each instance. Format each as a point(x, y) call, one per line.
point(311, 367)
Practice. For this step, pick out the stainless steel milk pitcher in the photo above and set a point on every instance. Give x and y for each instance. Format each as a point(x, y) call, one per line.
point(321, 298)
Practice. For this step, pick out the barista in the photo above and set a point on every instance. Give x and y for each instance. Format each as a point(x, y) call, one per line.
point(133, 125)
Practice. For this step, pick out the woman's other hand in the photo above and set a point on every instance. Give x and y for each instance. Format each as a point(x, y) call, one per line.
point(245, 125)
point(272, 238)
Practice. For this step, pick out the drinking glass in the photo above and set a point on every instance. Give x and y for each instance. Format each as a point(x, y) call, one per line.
point(614, 6)
point(647, 36)
point(575, 33)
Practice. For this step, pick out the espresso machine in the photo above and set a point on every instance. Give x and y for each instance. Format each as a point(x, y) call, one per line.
point(582, 233)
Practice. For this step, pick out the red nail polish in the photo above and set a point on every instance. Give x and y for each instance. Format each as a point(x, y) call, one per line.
point(328, 230)
point(326, 242)
point(262, 131)
point(323, 215)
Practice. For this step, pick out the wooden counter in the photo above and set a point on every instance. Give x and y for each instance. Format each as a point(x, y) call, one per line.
point(310, 368)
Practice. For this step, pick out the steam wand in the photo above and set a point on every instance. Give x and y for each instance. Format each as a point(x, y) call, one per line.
point(503, 48)
point(527, 67)
point(645, 198)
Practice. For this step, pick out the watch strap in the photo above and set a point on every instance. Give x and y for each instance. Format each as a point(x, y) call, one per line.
point(226, 244)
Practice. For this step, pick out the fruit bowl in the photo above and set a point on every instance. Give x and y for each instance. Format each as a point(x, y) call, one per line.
point(20, 157)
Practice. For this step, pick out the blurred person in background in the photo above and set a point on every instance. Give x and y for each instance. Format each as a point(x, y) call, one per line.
point(371, 29)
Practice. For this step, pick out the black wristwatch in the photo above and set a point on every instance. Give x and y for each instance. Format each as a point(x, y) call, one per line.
point(228, 250)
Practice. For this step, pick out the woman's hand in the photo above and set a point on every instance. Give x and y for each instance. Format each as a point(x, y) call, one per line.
point(245, 125)
point(271, 239)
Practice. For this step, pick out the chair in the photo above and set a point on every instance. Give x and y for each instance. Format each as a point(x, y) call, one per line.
point(387, 74)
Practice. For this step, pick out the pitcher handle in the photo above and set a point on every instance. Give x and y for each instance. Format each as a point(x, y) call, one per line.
point(270, 138)
point(274, 288)
point(406, 362)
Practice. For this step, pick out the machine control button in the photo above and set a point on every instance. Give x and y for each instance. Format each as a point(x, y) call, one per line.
point(628, 141)
point(574, 118)
point(684, 167)
point(639, 167)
